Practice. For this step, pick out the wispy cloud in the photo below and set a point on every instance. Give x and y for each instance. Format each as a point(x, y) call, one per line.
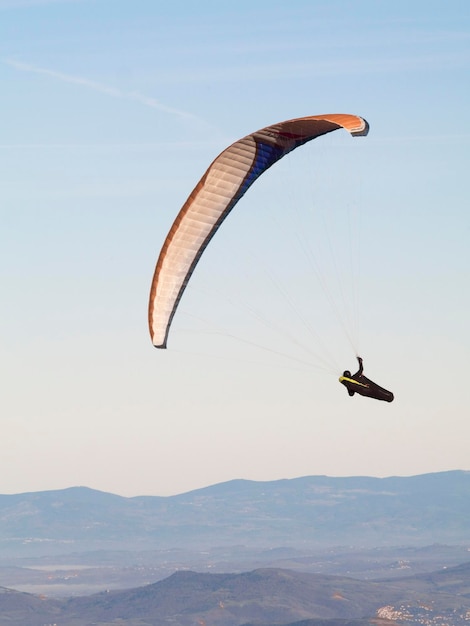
point(113, 92)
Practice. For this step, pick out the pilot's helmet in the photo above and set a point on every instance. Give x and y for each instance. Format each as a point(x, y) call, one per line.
point(347, 373)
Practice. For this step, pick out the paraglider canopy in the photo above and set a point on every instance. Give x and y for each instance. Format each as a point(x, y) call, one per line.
point(226, 180)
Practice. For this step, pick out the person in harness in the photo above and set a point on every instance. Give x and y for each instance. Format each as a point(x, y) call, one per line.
point(358, 383)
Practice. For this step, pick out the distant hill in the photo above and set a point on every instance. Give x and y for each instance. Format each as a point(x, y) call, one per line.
point(447, 580)
point(366, 621)
point(307, 511)
point(263, 597)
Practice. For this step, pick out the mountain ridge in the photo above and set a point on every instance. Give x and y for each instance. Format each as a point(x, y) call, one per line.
point(309, 510)
point(265, 596)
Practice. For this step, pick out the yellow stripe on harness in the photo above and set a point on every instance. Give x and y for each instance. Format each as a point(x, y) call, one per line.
point(351, 380)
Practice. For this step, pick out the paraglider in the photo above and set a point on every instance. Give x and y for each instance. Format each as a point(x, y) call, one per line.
point(226, 180)
point(358, 383)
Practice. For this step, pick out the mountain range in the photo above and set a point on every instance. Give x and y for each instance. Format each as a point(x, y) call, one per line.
point(354, 552)
point(263, 597)
point(312, 511)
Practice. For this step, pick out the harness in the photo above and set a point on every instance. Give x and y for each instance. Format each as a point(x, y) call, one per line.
point(351, 380)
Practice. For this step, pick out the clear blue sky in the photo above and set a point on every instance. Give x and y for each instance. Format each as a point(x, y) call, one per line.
point(111, 111)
